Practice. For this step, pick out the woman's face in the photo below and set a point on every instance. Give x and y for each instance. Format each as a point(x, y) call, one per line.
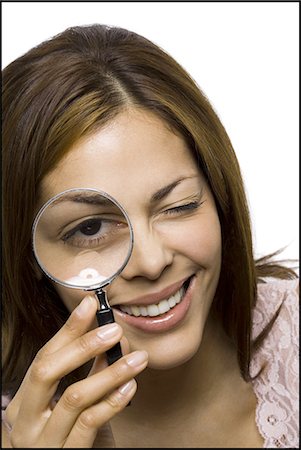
point(163, 295)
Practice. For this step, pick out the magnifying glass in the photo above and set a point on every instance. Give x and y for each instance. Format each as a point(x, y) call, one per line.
point(83, 239)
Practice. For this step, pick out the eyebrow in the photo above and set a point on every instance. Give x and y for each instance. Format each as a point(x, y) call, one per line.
point(84, 198)
point(163, 192)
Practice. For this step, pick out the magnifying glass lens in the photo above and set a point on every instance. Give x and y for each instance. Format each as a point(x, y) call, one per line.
point(82, 238)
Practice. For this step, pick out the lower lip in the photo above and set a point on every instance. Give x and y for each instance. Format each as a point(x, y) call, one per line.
point(161, 323)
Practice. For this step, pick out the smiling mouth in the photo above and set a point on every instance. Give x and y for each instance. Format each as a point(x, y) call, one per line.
point(156, 309)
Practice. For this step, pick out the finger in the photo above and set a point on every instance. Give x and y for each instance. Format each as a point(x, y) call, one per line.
point(85, 393)
point(84, 432)
point(46, 372)
point(100, 362)
point(78, 323)
point(125, 345)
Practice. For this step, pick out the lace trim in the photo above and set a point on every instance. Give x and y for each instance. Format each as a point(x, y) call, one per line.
point(277, 386)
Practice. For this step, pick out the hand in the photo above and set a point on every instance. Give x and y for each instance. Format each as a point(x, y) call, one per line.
point(85, 406)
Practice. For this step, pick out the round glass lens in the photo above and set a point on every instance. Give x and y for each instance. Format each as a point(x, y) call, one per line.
point(82, 238)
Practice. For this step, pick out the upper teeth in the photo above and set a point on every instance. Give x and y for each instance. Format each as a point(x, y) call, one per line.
point(154, 310)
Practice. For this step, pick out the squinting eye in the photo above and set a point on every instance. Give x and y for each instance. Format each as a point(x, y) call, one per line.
point(182, 208)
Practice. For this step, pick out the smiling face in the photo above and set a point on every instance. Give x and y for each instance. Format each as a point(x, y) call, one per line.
point(163, 296)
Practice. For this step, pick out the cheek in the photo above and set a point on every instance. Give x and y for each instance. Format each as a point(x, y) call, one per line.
point(70, 297)
point(204, 244)
point(199, 240)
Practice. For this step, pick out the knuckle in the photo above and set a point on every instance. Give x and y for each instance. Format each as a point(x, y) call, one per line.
point(116, 401)
point(40, 371)
point(84, 344)
point(86, 420)
point(41, 354)
point(72, 398)
point(71, 326)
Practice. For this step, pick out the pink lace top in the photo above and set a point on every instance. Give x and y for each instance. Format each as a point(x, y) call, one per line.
point(277, 387)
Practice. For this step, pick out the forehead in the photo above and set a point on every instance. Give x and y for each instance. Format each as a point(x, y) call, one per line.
point(132, 156)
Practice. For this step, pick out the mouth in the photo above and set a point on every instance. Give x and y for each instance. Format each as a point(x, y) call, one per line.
point(160, 316)
point(156, 309)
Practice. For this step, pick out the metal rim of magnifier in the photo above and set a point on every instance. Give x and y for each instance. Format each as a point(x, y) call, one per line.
point(109, 279)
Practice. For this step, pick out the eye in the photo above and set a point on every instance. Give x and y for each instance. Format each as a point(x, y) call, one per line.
point(92, 232)
point(90, 227)
point(183, 208)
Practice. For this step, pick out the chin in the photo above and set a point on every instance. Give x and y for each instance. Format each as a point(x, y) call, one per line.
point(168, 355)
point(167, 364)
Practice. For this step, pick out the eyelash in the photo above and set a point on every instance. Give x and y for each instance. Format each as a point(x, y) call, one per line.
point(183, 208)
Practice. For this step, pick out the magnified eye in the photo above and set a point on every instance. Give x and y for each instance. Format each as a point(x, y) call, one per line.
point(82, 238)
point(91, 232)
point(90, 227)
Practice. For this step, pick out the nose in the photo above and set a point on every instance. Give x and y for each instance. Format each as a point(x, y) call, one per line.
point(150, 255)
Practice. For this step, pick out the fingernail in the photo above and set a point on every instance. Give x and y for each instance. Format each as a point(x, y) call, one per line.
point(108, 331)
point(85, 305)
point(137, 358)
point(127, 387)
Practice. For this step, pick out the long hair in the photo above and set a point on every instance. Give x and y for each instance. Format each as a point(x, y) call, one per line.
point(70, 86)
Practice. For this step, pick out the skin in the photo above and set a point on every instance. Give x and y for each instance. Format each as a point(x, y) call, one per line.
point(190, 367)
point(167, 247)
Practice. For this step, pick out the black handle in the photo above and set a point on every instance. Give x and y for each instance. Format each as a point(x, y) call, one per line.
point(105, 316)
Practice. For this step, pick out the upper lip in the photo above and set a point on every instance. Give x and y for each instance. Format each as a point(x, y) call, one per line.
point(156, 297)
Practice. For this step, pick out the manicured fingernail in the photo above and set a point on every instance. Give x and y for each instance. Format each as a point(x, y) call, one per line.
point(127, 387)
point(85, 305)
point(137, 358)
point(108, 331)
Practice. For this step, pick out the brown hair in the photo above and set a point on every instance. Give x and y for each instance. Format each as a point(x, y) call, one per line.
point(67, 87)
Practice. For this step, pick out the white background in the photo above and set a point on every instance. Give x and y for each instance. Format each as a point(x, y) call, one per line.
point(245, 57)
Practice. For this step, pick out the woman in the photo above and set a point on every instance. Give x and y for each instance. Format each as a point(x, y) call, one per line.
point(100, 107)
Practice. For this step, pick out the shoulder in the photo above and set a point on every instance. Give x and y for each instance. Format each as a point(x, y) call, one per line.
point(275, 290)
point(273, 295)
point(277, 386)
point(281, 344)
